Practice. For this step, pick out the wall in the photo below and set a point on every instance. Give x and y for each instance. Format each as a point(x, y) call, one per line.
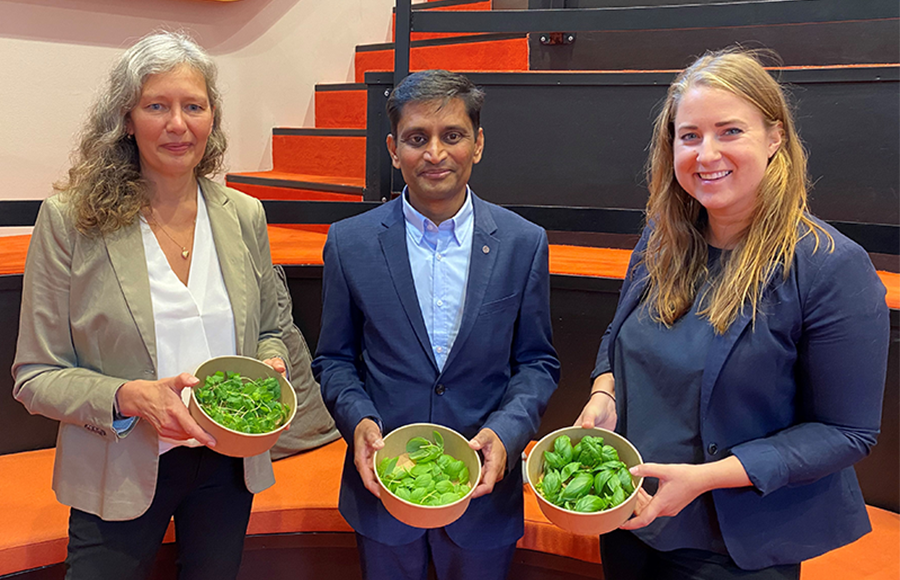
point(54, 55)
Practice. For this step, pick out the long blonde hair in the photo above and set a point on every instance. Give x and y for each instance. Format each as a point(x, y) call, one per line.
point(104, 186)
point(677, 251)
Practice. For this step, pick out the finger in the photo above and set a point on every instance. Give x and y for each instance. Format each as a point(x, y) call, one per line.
point(276, 363)
point(587, 420)
point(488, 479)
point(373, 440)
point(192, 429)
point(183, 381)
point(647, 515)
point(648, 470)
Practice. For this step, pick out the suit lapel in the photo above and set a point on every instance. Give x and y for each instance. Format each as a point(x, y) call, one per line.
point(485, 249)
point(393, 245)
point(125, 247)
point(227, 236)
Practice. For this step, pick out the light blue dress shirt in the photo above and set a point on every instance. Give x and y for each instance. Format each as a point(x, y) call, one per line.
point(439, 260)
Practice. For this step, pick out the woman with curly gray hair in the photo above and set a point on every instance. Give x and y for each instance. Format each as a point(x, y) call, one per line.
point(140, 269)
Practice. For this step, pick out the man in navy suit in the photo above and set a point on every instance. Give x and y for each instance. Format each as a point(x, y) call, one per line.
point(436, 309)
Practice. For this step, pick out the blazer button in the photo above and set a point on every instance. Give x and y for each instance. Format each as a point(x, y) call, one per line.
point(712, 449)
point(439, 390)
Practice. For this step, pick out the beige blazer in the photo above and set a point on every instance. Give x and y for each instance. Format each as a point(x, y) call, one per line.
point(86, 327)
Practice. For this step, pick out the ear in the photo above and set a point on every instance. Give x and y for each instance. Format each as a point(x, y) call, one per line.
point(774, 138)
point(129, 125)
point(392, 149)
point(479, 145)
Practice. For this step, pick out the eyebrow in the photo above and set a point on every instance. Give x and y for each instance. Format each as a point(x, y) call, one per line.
point(718, 124)
point(457, 128)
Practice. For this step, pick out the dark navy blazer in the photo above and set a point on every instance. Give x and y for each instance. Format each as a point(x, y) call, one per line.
point(374, 358)
point(796, 397)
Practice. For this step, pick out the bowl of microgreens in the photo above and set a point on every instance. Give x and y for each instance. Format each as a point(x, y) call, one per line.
point(242, 402)
point(581, 479)
point(426, 473)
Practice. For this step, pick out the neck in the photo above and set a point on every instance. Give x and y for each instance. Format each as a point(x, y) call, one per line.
point(174, 201)
point(725, 232)
point(438, 210)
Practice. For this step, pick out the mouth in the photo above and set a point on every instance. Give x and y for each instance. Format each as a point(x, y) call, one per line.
point(435, 173)
point(177, 147)
point(714, 176)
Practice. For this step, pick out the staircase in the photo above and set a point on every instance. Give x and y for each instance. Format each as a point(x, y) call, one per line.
point(328, 162)
point(569, 122)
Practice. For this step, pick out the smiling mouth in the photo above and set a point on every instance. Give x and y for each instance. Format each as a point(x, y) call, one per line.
point(177, 147)
point(435, 173)
point(714, 176)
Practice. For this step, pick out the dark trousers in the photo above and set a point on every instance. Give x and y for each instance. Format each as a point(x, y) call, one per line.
point(410, 561)
point(625, 557)
point(206, 494)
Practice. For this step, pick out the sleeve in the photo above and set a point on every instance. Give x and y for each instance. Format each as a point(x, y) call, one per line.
point(336, 365)
point(602, 364)
point(534, 363)
point(47, 378)
point(842, 361)
point(270, 344)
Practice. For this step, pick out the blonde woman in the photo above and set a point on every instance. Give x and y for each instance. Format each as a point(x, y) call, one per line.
point(747, 356)
point(139, 270)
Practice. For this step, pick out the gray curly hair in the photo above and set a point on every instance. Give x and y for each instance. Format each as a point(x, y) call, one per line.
point(104, 184)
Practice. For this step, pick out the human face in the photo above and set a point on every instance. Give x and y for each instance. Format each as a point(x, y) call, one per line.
point(721, 150)
point(435, 149)
point(171, 123)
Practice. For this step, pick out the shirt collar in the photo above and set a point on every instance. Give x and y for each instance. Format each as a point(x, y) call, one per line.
point(458, 225)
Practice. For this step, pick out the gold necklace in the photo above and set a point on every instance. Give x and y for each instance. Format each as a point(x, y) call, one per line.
point(185, 252)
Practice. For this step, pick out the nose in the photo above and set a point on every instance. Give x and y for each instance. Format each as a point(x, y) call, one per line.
point(176, 122)
point(434, 151)
point(708, 151)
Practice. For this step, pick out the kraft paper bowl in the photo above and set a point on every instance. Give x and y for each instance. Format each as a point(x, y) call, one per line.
point(420, 516)
point(588, 524)
point(228, 441)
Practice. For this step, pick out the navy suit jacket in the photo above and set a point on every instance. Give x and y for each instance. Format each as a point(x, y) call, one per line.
point(796, 397)
point(374, 358)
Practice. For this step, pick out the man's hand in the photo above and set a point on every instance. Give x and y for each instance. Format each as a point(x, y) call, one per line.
point(366, 441)
point(494, 453)
point(160, 403)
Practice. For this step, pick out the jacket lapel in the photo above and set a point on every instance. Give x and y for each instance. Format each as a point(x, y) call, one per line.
point(485, 249)
point(125, 247)
point(393, 245)
point(227, 236)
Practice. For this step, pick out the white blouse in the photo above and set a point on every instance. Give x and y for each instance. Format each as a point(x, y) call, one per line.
point(193, 323)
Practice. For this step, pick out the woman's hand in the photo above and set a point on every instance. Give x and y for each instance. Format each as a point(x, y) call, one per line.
point(679, 485)
point(600, 410)
point(277, 363)
point(160, 403)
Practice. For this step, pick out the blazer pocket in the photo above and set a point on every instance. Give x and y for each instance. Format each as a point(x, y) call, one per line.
point(499, 305)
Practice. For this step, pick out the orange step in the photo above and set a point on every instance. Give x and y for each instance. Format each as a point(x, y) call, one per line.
point(295, 186)
point(442, 6)
point(479, 52)
point(341, 106)
point(325, 152)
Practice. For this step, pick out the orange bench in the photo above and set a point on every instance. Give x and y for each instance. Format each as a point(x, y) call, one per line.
point(303, 245)
point(305, 498)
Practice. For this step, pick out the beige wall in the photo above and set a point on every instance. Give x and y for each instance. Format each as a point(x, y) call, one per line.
point(54, 55)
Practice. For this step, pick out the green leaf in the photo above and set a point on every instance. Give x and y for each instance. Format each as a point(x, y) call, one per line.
point(579, 486)
point(589, 503)
point(569, 470)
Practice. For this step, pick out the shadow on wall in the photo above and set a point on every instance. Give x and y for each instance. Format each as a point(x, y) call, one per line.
point(220, 27)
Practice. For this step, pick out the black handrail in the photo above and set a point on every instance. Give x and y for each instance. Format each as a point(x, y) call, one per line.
point(715, 15)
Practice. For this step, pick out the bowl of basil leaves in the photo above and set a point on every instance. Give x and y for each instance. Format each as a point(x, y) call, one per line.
point(581, 479)
point(242, 402)
point(426, 473)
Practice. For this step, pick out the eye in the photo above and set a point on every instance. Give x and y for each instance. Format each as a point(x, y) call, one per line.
point(194, 108)
point(687, 137)
point(154, 107)
point(733, 131)
point(415, 140)
point(453, 137)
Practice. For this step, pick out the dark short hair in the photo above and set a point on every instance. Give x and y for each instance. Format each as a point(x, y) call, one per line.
point(433, 85)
